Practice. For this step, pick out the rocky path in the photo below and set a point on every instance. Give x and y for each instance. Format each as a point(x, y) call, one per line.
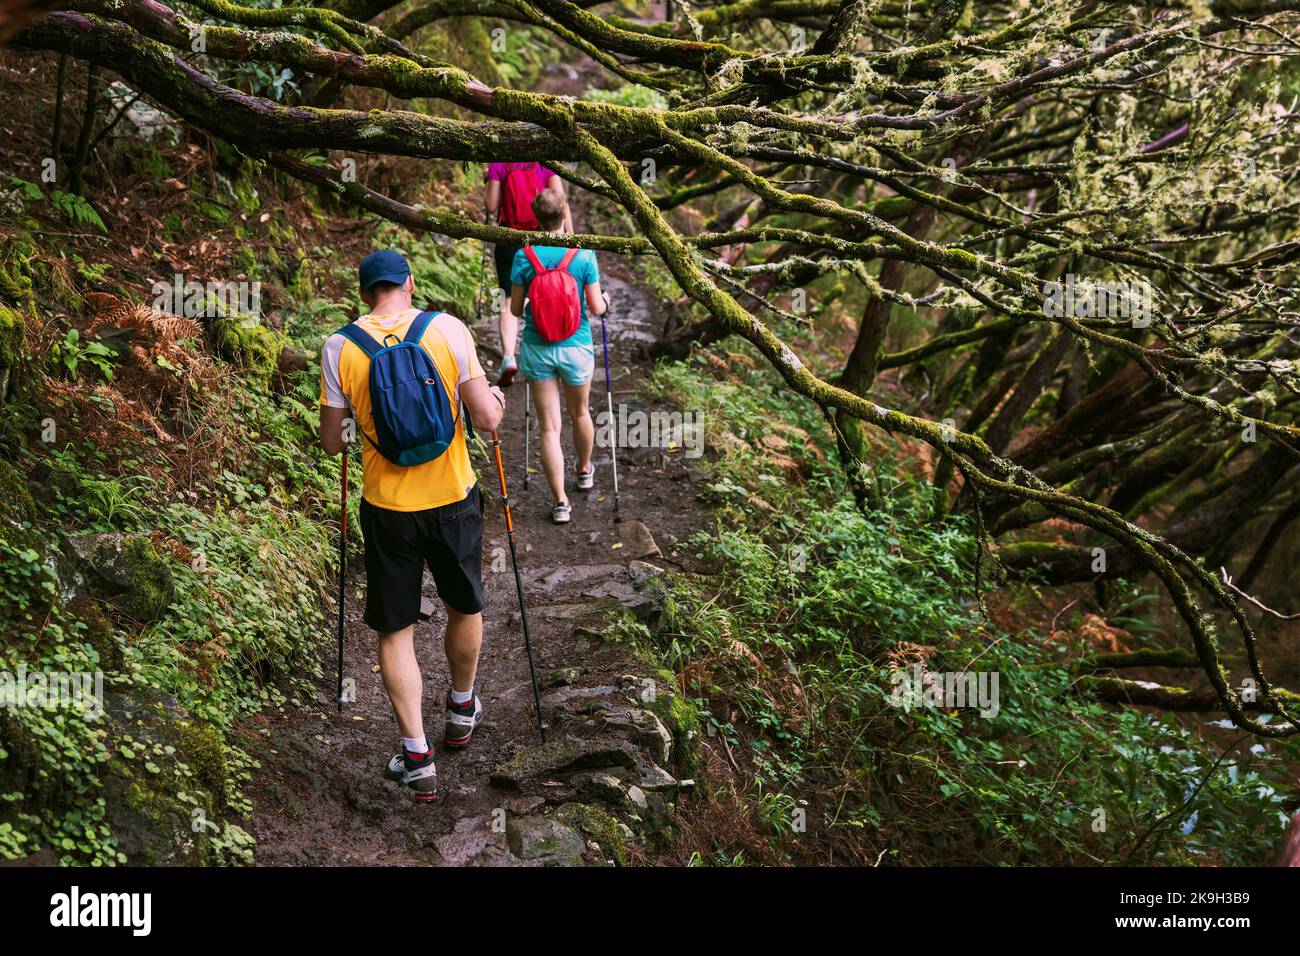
point(601, 787)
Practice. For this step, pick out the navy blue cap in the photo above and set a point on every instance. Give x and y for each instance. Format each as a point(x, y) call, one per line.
point(386, 265)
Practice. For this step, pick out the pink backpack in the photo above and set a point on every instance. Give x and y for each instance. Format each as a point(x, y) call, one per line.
point(517, 194)
point(557, 311)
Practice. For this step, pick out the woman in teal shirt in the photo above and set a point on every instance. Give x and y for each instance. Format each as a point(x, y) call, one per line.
point(571, 361)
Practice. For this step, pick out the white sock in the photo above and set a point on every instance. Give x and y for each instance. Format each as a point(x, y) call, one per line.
point(416, 745)
point(462, 697)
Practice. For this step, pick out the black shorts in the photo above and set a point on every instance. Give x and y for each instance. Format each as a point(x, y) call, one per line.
point(399, 544)
point(504, 256)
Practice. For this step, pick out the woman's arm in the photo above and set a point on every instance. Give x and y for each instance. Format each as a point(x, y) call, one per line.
point(597, 304)
point(492, 198)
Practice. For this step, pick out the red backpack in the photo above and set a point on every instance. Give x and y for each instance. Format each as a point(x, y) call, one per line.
point(517, 194)
point(557, 311)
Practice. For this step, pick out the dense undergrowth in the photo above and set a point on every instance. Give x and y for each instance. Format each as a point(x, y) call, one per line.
point(166, 521)
point(793, 646)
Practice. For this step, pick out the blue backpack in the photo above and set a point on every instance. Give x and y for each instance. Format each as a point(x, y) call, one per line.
point(414, 423)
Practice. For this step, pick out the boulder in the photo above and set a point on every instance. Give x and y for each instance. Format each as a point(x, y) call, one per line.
point(600, 786)
point(638, 542)
point(559, 756)
point(643, 727)
point(123, 569)
point(607, 833)
point(655, 779)
point(545, 840)
point(561, 677)
point(566, 694)
point(642, 571)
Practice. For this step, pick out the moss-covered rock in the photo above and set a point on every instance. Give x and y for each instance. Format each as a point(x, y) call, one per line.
point(14, 285)
point(98, 633)
point(557, 756)
point(681, 719)
point(250, 345)
point(205, 753)
point(11, 348)
point(16, 503)
point(544, 841)
point(125, 570)
point(160, 814)
point(599, 825)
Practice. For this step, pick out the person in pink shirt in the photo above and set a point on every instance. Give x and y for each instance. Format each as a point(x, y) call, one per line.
point(511, 189)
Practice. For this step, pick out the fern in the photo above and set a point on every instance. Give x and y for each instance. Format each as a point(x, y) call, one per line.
point(77, 209)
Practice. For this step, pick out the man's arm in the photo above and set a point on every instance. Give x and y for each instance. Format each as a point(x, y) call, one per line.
point(517, 299)
point(333, 403)
point(331, 429)
point(486, 404)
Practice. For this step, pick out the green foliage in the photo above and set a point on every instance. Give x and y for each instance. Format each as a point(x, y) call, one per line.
point(239, 629)
point(50, 758)
point(628, 94)
point(77, 209)
point(447, 275)
point(838, 600)
point(71, 353)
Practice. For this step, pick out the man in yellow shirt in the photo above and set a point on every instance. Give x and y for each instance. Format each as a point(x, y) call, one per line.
point(430, 513)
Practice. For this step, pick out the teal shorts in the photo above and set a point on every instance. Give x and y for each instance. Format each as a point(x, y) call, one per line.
point(572, 364)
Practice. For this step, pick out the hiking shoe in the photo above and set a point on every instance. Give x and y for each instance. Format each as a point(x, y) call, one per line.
point(561, 513)
point(416, 771)
point(587, 478)
point(509, 369)
point(461, 721)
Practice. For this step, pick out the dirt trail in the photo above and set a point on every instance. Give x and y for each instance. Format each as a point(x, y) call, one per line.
point(320, 797)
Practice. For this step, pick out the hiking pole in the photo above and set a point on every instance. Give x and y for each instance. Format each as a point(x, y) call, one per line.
point(482, 273)
point(609, 406)
point(343, 570)
point(519, 585)
point(528, 430)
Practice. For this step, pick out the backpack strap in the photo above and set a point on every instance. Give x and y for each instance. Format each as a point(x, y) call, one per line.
point(569, 256)
point(361, 338)
point(420, 325)
point(532, 257)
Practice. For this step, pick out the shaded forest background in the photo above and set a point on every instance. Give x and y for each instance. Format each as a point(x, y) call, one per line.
point(991, 309)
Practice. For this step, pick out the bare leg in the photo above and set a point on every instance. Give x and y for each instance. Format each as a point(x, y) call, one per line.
point(546, 401)
point(509, 325)
point(462, 641)
point(401, 674)
point(584, 432)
